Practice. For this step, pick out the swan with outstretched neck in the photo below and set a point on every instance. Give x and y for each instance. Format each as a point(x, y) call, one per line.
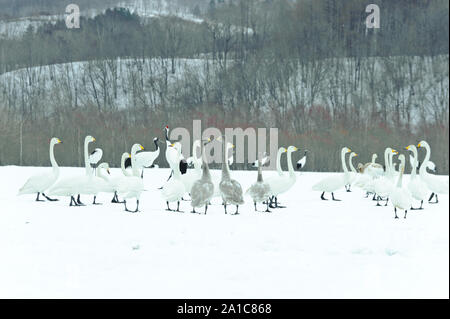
point(40, 183)
point(282, 183)
point(400, 196)
point(132, 186)
point(73, 186)
point(418, 189)
point(333, 183)
point(434, 184)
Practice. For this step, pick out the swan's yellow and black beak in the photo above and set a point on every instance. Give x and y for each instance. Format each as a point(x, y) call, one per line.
point(142, 147)
point(171, 145)
point(58, 141)
point(418, 145)
point(93, 139)
point(295, 149)
point(107, 170)
point(356, 154)
point(407, 147)
point(233, 146)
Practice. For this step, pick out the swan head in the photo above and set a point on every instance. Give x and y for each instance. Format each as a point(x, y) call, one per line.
point(55, 141)
point(411, 148)
point(423, 144)
point(136, 148)
point(292, 149)
point(346, 150)
point(89, 139)
point(394, 151)
point(353, 154)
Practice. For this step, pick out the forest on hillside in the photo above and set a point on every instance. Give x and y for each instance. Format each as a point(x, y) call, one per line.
point(310, 68)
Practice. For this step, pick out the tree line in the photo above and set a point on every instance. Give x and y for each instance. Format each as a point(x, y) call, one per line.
point(309, 68)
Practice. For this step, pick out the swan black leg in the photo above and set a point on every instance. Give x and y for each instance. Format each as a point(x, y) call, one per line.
point(406, 212)
point(193, 210)
point(387, 200)
point(137, 206)
point(50, 199)
point(378, 200)
point(114, 200)
point(374, 196)
point(73, 202)
point(347, 188)
point(255, 206)
point(395, 211)
point(79, 201)
point(436, 201)
point(94, 202)
point(37, 198)
point(322, 197)
point(335, 199)
point(206, 209)
point(237, 210)
point(225, 207)
point(125, 203)
point(421, 204)
point(168, 208)
point(178, 207)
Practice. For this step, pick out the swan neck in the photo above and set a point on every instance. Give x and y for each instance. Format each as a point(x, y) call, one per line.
point(205, 169)
point(423, 167)
point(86, 158)
point(52, 158)
point(289, 162)
point(133, 164)
point(122, 165)
point(344, 167)
point(225, 168)
point(279, 170)
point(400, 176)
point(414, 164)
point(351, 165)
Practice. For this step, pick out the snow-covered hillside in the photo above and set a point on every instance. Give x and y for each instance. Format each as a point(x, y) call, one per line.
point(311, 249)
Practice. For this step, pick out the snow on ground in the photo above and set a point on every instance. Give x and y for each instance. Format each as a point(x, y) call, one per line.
point(312, 249)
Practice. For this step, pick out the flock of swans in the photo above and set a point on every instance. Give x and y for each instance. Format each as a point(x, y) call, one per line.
point(383, 182)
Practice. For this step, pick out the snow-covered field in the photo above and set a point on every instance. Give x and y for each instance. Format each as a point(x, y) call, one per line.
point(312, 249)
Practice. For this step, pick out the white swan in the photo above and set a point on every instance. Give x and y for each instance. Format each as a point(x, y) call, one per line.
point(333, 183)
point(171, 155)
point(174, 190)
point(114, 181)
point(352, 175)
point(72, 186)
point(281, 184)
point(400, 196)
point(40, 183)
point(383, 186)
point(132, 186)
point(272, 179)
point(434, 184)
point(418, 189)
